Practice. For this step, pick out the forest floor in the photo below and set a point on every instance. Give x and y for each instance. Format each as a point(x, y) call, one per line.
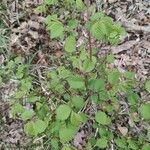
point(22, 31)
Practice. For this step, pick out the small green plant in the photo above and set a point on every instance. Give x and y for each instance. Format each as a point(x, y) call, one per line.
point(81, 79)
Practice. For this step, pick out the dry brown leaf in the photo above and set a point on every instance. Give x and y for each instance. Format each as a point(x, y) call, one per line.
point(123, 47)
point(59, 54)
point(34, 24)
point(2, 59)
point(14, 39)
point(130, 26)
point(123, 130)
point(78, 140)
point(41, 58)
point(110, 1)
point(34, 34)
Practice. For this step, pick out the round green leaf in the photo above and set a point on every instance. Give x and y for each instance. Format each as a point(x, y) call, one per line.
point(89, 65)
point(66, 134)
point(120, 143)
point(76, 119)
point(76, 82)
point(29, 129)
point(70, 44)
point(102, 118)
point(39, 126)
point(133, 98)
point(17, 108)
point(113, 76)
point(80, 5)
point(97, 85)
point(57, 30)
point(147, 86)
point(63, 112)
point(145, 111)
point(27, 114)
point(102, 142)
point(132, 144)
point(99, 30)
point(78, 102)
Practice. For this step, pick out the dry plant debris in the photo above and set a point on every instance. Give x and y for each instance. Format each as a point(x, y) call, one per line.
point(28, 37)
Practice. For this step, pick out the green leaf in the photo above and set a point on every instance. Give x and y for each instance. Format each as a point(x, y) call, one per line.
point(26, 84)
point(32, 99)
point(54, 143)
point(113, 34)
point(73, 24)
point(110, 58)
point(20, 71)
point(27, 114)
point(41, 9)
point(70, 44)
point(17, 108)
point(145, 111)
point(80, 5)
point(63, 112)
point(78, 102)
point(34, 128)
point(103, 131)
point(55, 126)
point(39, 126)
point(83, 54)
point(113, 76)
point(132, 144)
point(147, 86)
point(97, 85)
point(42, 110)
point(99, 30)
point(76, 82)
point(76, 119)
point(133, 98)
point(75, 62)
point(89, 65)
point(56, 29)
point(50, 19)
point(102, 142)
point(103, 95)
point(66, 134)
point(102, 118)
point(19, 94)
point(96, 16)
point(146, 147)
point(129, 75)
point(148, 133)
point(120, 143)
point(29, 129)
point(94, 98)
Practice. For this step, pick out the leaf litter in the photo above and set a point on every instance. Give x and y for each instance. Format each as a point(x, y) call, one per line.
point(133, 54)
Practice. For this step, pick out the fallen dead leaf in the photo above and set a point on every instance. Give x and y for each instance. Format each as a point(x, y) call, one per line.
point(34, 24)
point(59, 54)
point(110, 1)
point(123, 130)
point(79, 140)
point(2, 59)
point(34, 34)
point(123, 47)
point(14, 38)
point(41, 57)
